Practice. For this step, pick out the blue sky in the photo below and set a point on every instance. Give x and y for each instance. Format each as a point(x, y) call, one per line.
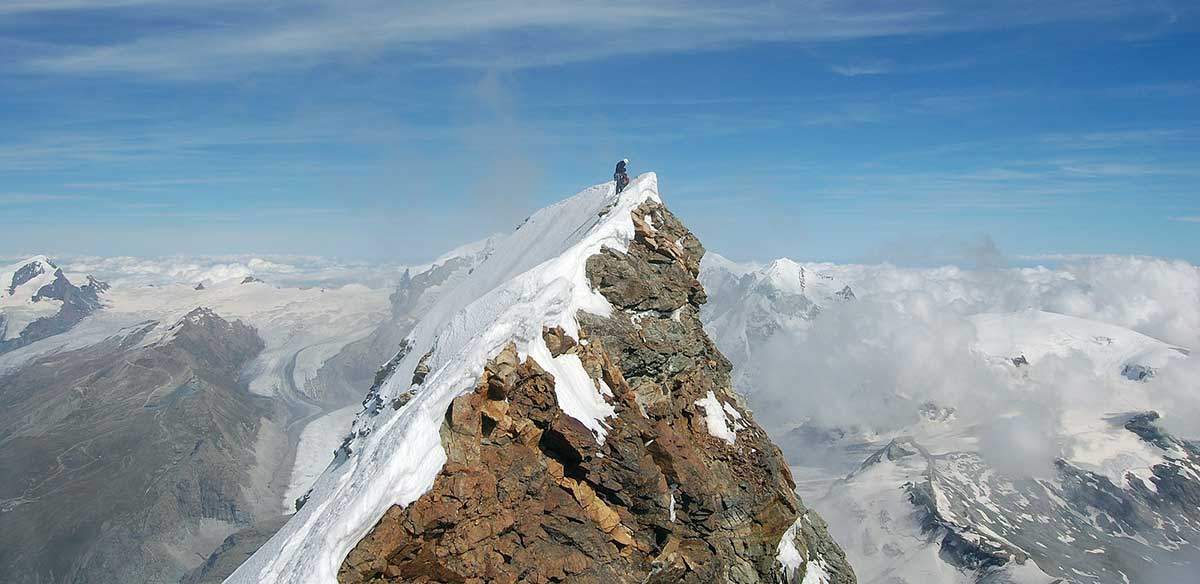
point(920, 132)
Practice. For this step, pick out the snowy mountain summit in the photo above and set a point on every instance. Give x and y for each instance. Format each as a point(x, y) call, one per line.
point(37, 301)
point(560, 415)
point(751, 303)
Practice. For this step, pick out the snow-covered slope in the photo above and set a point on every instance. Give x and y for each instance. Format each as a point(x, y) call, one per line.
point(1038, 334)
point(534, 279)
point(1118, 357)
point(418, 290)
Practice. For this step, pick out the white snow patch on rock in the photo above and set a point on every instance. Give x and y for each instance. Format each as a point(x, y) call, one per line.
point(714, 418)
point(815, 572)
point(577, 394)
point(787, 554)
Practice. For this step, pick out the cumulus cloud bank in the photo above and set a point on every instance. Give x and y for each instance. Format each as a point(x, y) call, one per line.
point(909, 338)
point(1154, 296)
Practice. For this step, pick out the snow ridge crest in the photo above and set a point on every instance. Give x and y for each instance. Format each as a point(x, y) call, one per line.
point(534, 279)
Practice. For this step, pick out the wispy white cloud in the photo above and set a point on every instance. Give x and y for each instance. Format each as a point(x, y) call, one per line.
point(887, 66)
point(1119, 169)
point(150, 184)
point(14, 7)
point(167, 139)
point(148, 141)
point(859, 69)
point(34, 198)
point(1121, 138)
point(491, 33)
point(1060, 257)
point(1141, 90)
point(1187, 219)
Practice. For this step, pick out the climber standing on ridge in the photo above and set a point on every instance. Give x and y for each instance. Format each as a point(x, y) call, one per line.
point(619, 175)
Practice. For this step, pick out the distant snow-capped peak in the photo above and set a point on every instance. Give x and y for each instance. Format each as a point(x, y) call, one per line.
point(37, 291)
point(22, 280)
point(750, 303)
point(793, 288)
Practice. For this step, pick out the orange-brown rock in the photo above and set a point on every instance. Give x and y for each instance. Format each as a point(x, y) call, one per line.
point(529, 494)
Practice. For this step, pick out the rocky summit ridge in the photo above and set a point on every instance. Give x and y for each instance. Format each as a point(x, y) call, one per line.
point(599, 440)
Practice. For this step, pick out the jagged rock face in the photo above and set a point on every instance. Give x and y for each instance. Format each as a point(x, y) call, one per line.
point(529, 494)
point(123, 461)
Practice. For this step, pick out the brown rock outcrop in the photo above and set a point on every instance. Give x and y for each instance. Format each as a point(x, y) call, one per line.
point(529, 494)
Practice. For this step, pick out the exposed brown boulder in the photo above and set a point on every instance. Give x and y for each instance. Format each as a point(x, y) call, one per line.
point(529, 494)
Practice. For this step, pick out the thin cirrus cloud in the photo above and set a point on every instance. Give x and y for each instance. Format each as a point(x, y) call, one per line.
point(1121, 138)
point(860, 69)
point(488, 33)
point(886, 67)
point(35, 198)
point(43, 6)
